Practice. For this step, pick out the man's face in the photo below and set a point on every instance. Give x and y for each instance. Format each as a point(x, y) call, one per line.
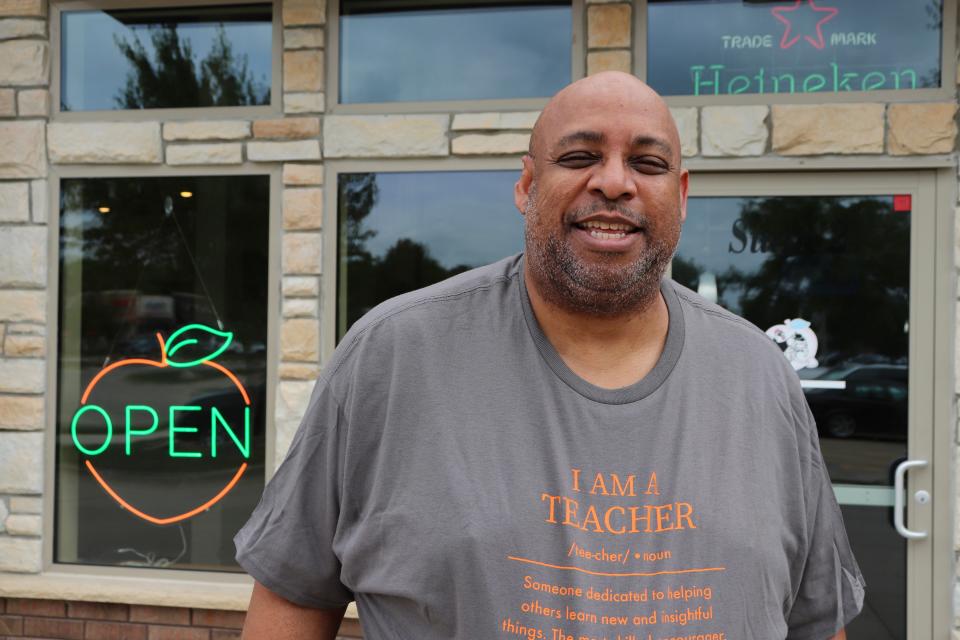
point(604, 198)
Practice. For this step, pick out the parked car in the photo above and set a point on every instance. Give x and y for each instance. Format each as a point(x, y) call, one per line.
point(872, 404)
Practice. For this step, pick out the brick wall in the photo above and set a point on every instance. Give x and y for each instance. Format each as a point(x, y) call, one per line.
point(63, 620)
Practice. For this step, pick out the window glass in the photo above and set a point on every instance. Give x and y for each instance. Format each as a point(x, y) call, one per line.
point(216, 56)
point(162, 368)
point(403, 231)
point(398, 50)
point(724, 47)
point(828, 279)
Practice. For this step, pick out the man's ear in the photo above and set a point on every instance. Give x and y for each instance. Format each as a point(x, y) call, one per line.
point(684, 188)
point(521, 190)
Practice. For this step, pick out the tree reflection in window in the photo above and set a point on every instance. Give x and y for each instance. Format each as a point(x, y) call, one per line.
point(842, 263)
point(407, 265)
point(219, 56)
point(405, 231)
point(172, 76)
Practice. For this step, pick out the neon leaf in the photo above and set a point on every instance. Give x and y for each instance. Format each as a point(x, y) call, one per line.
point(177, 340)
point(182, 343)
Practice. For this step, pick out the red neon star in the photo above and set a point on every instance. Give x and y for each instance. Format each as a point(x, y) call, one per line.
point(788, 39)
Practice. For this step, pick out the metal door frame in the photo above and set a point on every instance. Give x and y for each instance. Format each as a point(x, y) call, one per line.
point(930, 562)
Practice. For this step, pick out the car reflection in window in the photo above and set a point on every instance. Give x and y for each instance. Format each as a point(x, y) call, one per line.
point(871, 405)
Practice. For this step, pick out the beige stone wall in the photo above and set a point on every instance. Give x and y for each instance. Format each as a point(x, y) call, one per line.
point(24, 277)
point(297, 141)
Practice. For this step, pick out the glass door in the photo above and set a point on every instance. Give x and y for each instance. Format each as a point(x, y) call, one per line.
point(831, 267)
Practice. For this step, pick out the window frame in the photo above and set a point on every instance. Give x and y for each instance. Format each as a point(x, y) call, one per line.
point(275, 108)
point(945, 92)
point(330, 278)
point(183, 586)
point(578, 53)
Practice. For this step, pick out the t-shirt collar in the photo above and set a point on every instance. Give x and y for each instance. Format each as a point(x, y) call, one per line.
point(637, 391)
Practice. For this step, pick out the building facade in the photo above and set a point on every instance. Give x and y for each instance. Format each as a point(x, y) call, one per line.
point(198, 197)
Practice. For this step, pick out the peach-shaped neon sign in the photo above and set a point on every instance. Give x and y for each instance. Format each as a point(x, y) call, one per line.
point(182, 337)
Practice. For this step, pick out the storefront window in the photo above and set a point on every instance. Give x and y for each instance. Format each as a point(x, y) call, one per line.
point(729, 47)
point(161, 368)
point(403, 231)
point(399, 51)
point(217, 56)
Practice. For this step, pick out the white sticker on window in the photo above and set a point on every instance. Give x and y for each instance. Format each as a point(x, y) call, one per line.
point(798, 342)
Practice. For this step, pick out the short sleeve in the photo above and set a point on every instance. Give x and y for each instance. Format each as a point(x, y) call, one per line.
point(831, 588)
point(287, 544)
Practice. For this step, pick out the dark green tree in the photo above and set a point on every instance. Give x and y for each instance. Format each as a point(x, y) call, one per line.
point(843, 264)
point(358, 195)
point(405, 266)
point(173, 77)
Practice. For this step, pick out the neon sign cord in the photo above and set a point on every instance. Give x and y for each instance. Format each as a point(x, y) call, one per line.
point(143, 267)
point(150, 559)
point(196, 268)
point(136, 287)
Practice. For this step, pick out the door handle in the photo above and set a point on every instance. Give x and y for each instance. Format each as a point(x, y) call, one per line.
point(898, 501)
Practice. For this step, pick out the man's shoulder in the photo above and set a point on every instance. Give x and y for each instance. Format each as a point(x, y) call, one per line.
point(714, 328)
point(741, 350)
point(473, 294)
point(713, 314)
point(451, 292)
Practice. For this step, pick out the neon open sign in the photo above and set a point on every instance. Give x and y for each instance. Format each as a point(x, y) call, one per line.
point(141, 420)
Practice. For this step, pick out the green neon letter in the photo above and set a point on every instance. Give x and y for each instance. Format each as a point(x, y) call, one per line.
point(842, 83)
point(106, 440)
point(697, 71)
point(760, 81)
point(906, 72)
point(139, 432)
point(174, 428)
point(814, 82)
point(786, 77)
point(216, 416)
point(699, 82)
point(738, 84)
point(873, 80)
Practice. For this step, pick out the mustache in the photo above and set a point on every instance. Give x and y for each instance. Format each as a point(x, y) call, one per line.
point(603, 205)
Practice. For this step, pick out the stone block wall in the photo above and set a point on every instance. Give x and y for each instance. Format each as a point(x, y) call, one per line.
point(24, 277)
point(296, 142)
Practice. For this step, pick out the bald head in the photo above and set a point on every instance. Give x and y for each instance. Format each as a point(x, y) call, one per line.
point(609, 94)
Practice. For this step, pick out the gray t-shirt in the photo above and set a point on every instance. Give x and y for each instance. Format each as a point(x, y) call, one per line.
point(458, 480)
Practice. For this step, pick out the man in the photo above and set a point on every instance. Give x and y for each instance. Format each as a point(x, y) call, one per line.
point(561, 445)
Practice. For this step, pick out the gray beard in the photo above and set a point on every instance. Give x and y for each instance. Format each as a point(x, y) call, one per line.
point(600, 289)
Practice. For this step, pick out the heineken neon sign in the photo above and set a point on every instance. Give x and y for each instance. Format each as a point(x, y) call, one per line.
point(716, 79)
point(793, 46)
point(140, 420)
